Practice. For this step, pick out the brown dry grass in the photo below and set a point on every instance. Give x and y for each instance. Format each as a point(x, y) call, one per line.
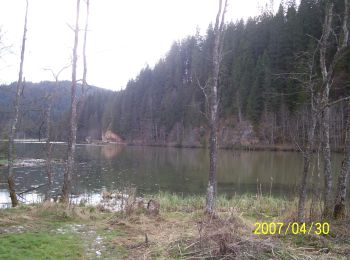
point(182, 232)
point(147, 236)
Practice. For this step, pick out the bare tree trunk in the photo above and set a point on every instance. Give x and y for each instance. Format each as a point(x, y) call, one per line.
point(48, 147)
point(238, 107)
point(84, 86)
point(11, 153)
point(50, 100)
point(306, 168)
point(339, 208)
point(73, 117)
point(325, 113)
point(327, 79)
point(328, 181)
point(218, 41)
point(84, 44)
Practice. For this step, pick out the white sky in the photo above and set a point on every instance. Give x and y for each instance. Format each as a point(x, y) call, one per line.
point(124, 35)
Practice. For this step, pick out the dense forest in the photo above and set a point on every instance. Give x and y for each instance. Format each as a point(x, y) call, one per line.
point(35, 98)
point(263, 100)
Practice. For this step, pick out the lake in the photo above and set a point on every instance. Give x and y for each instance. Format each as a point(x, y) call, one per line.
point(153, 169)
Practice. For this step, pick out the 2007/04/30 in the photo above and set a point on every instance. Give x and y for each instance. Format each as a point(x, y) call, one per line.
point(295, 228)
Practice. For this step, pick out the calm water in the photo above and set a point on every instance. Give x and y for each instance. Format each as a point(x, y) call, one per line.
point(152, 169)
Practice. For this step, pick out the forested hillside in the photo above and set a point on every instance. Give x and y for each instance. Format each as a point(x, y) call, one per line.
point(33, 103)
point(263, 100)
point(262, 96)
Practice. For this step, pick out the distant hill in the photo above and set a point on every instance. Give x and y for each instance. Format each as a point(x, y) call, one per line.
point(31, 122)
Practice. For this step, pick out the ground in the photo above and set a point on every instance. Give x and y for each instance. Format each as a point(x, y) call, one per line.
point(180, 231)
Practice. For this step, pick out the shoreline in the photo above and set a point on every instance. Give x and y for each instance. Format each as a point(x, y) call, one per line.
point(258, 147)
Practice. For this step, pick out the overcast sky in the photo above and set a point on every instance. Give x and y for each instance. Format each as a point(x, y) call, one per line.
point(124, 35)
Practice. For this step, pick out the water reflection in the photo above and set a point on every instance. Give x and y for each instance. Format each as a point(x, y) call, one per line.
point(151, 169)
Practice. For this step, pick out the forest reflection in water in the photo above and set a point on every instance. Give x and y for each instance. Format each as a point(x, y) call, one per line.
point(152, 169)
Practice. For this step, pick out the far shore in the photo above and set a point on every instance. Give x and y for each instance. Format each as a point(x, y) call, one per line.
point(253, 147)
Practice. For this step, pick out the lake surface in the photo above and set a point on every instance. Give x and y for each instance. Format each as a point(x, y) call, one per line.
point(153, 169)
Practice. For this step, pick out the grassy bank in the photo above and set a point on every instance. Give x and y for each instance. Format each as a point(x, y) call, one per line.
point(179, 231)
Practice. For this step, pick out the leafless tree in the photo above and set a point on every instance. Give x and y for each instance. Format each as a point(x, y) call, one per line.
point(82, 99)
point(19, 87)
point(339, 208)
point(73, 117)
point(309, 81)
point(213, 106)
point(327, 67)
point(84, 44)
point(319, 88)
point(50, 97)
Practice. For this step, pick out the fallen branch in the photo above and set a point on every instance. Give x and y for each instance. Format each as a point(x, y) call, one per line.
point(31, 189)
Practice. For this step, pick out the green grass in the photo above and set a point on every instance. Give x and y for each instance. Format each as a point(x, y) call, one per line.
point(40, 246)
point(263, 207)
point(3, 161)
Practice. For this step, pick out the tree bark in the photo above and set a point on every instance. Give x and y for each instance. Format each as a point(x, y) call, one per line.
point(67, 182)
point(48, 147)
point(327, 79)
point(84, 44)
point(339, 208)
point(327, 26)
point(307, 156)
point(328, 181)
point(217, 48)
point(82, 100)
point(11, 152)
point(238, 107)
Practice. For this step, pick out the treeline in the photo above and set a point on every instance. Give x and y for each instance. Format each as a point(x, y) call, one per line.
point(259, 85)
point(35, 98)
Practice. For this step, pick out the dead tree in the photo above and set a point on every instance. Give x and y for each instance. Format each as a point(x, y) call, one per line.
point(48, 145)
point(19, 87)
point(320, 113)
point(67, 181)
point(327, 67)
point(327, 26)
point(213, 106)
point(82, 99)
point(50, 97)
point(339, 208)
point(307, 160)
point(84, 44)
point(309, 83)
